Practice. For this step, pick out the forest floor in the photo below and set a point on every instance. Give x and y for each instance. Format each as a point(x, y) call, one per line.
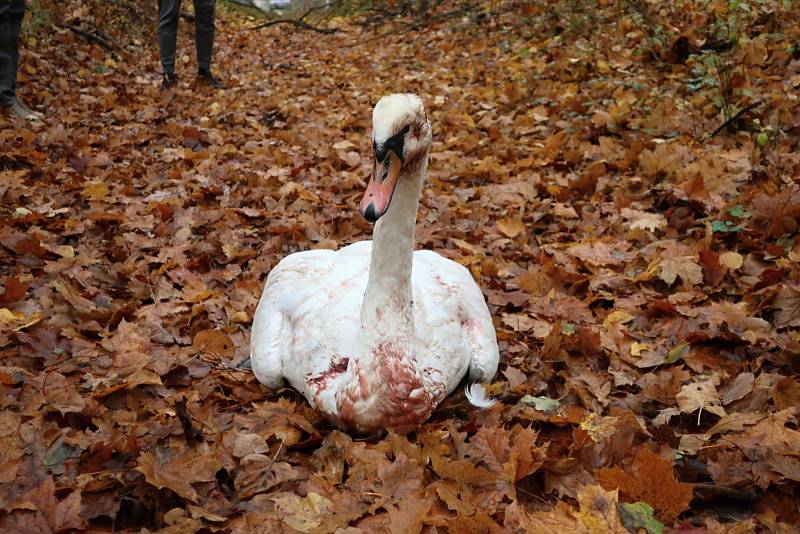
point(638, 250)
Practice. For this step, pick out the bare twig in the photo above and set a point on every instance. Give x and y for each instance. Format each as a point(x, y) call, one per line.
point(93, 36)
point(733, 118)
point(300, 21)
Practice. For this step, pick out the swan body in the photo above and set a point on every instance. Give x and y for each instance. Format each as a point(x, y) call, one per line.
point(375, 335)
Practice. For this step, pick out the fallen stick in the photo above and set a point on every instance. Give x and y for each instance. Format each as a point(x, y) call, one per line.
point(92, 36)
point(733, 118)
point(300, 22)
point(747, 495)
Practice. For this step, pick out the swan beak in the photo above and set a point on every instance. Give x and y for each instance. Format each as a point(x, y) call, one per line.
point(381, 187)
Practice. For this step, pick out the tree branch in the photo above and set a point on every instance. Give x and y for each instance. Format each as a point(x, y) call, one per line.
point(300, 21)
point(297, 23)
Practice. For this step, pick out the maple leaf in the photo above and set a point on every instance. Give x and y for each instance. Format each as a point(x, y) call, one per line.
point(164, 469)
point(597, 514)
point(649, 479)
point(304, 514)
point(700, 395)
point(644, 219)
point(771, 433)
point(685, 267)
point(601, 253)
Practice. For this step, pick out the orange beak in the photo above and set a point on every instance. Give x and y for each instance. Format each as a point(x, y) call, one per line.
point(381, 187)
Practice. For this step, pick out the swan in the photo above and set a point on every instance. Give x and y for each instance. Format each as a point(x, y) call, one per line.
point(375, 335)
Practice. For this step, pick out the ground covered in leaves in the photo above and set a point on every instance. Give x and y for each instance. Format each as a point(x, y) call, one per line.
point(641, 264)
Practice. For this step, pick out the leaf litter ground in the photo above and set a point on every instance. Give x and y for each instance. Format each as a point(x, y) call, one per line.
point(643, 275)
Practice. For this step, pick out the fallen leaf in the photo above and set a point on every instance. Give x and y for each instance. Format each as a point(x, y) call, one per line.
point(543, 404)
point(700, 395)
point(649, 479)
point(685, 267)
point(511, 227)
point(731, 260)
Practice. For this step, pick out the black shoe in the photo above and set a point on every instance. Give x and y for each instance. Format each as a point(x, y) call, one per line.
point(209, 79)
point(19, 110)
point(169, 80)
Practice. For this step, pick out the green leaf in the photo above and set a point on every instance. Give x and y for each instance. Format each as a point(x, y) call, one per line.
point(725, 227)
point(762, 139)
point(568, 329)
point(738, 212)
point(639, 515)
point(543, 404)
point(676, 353)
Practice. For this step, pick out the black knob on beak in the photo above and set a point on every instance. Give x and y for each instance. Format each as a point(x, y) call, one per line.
point(370, 214)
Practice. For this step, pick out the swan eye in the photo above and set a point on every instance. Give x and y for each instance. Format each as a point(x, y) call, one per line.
point(395, 143)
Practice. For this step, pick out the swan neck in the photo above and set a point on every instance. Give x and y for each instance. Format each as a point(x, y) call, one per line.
point(386, 311)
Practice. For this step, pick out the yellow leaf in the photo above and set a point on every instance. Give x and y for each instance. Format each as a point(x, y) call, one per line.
point(466, 247)
point(468, 121)
point(637, 348)
point(731, 260)
point(18, 321)
point(599, 427)
point(618, 316)
point(511, 227)
point(95, 190)
point(240, 317)
point(7, 316)
point(65, 251)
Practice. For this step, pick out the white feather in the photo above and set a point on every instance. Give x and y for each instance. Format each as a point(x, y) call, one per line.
point(392, 113)
point(477, 396)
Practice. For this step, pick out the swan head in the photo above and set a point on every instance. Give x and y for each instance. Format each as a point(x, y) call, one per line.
point(401, 138)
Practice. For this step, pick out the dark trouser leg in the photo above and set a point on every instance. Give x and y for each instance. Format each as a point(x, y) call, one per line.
point(204, 32)
point(11, 13)
point(168, 13)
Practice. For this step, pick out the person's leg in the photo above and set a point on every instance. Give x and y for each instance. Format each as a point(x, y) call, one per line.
point(204, 33)
point(168, 14)
point(11, 14)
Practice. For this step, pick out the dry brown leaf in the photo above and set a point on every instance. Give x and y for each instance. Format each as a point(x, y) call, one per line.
point(511, 227)
point(741, 386)
point(701, 395)
point(685, 267)
point(597, 514)
point(649, 479)
point(644, 220)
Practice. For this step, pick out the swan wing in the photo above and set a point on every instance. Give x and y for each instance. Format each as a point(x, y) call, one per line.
point(307, 316)
point(289, 283)
point(462, 302)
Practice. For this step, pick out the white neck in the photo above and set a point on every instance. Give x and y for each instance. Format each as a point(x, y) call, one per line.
point(371, 393)
point(386, 313)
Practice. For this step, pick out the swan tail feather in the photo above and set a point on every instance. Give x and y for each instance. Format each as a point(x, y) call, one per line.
point(478, 397)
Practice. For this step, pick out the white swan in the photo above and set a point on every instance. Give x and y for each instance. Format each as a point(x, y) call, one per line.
point(375, 335)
